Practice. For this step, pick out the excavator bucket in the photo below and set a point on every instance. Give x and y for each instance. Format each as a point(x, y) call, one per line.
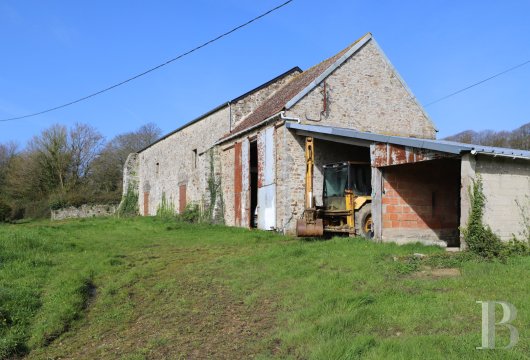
point(309, 229)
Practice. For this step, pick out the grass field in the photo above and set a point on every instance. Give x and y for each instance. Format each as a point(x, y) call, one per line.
point(149, 288)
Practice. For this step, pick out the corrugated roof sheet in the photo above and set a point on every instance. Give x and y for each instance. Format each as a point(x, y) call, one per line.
point(429, 144)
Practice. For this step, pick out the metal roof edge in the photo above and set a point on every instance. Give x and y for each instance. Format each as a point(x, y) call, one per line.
point(398, 140)
point(360, 43)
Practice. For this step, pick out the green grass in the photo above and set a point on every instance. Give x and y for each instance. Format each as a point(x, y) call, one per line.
point(140, 288)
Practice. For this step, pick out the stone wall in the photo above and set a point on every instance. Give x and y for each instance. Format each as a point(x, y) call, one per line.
point(183, 158)
point(130, 174)
point(365, 93)
point(506, 181)
point(180, 159)
point(84, 211)
point(248, 104)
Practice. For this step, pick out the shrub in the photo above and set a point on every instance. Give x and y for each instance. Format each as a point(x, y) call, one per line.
point(5, 211)
point(479, 238)
point(517, 247)
point(82, 197)
point(191, 214)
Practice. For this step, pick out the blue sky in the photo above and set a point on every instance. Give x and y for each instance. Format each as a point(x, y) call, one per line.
point(53, 52)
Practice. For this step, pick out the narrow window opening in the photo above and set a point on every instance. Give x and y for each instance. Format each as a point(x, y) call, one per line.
point(157, 168)
point(195, 158)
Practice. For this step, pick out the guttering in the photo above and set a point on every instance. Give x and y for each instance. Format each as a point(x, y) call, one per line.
point(286, 118)
point(264, 122)
point(494, 154)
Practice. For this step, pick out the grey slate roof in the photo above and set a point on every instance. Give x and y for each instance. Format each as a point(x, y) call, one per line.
point(451, 147)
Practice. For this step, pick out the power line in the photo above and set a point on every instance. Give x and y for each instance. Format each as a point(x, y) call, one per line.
point(478, 83)
point(154, 68)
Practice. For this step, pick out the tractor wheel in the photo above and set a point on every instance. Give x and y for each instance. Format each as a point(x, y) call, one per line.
point(363, 222)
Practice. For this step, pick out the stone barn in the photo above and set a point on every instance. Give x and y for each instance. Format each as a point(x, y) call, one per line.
point(245, 159)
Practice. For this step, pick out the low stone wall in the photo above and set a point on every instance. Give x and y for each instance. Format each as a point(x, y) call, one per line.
point(84, 211)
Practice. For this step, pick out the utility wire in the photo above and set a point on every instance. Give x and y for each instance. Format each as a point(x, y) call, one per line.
point(152, 69)
point(478, 83)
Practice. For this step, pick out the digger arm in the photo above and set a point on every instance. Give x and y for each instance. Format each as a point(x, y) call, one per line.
point(310, 163)
point(309, 225)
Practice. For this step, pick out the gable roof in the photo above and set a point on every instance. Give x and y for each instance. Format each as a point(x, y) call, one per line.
point(225, 104)
point(297, 88)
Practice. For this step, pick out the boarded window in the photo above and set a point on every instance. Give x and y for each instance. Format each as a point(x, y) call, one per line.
point(146, 203)
point(182, 198)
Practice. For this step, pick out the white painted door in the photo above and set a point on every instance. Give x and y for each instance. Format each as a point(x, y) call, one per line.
point(266, 182)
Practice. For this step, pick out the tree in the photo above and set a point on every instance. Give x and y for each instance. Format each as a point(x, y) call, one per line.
point(517, 139)
point(108, 167)
point(53, 156)
point(84, 145)
point(7, 153)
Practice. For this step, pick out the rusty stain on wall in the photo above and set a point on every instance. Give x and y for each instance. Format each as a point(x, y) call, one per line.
point(389, 154)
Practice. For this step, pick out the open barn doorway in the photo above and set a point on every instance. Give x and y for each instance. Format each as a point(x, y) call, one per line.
point(253, 168)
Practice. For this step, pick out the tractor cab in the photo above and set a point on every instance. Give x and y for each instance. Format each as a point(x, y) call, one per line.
point(346, 198)
point(342, 178)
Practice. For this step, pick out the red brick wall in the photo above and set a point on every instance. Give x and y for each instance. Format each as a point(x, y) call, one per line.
point(423, 195)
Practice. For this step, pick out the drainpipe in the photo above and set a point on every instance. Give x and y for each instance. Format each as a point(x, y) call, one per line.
point(286, 118)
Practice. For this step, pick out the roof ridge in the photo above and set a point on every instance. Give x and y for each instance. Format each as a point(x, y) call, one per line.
point(295, 88)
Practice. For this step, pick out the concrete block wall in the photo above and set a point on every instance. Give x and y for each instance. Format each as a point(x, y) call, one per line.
point(505, 181)
point(420, 202)
point(366, 94)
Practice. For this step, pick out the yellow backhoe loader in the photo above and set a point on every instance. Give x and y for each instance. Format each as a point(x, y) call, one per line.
point(346, 199)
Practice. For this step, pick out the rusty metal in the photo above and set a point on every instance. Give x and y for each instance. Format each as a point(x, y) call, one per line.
point(309, 229)
point(386, 154)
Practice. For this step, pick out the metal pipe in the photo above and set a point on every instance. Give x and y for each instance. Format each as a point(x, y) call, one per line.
point(283, 117)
